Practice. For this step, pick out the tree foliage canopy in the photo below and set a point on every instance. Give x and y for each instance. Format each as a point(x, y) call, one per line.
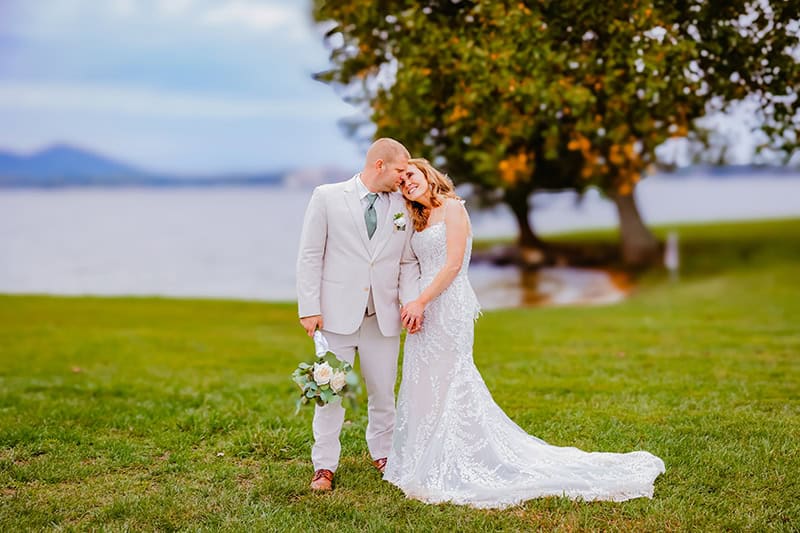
point(524, 95)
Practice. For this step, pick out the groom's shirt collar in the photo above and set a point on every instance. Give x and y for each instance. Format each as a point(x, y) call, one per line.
point(362, 189)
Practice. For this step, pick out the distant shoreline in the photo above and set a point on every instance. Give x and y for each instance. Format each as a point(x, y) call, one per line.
point(154, 184)
point(280, 183)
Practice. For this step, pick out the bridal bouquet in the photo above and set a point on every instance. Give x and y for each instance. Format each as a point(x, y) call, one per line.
point(327, 380)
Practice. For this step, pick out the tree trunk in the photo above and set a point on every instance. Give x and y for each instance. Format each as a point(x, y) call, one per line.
point(518, 202)
point(639, 246)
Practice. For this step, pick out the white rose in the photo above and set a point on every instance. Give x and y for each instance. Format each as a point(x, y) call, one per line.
point(338, 381)
point(400, 221)
point(322, 373)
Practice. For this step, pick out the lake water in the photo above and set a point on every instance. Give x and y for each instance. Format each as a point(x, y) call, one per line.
point(242, 242)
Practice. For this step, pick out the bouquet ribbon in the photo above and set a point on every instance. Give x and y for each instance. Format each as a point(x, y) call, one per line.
point(320, 344)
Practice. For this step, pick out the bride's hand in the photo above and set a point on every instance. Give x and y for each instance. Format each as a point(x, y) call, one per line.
point(411, 315)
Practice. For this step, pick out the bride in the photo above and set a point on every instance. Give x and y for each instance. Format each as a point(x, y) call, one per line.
point(452, 442)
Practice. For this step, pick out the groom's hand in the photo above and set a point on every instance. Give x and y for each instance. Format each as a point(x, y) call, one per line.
point(311, 323)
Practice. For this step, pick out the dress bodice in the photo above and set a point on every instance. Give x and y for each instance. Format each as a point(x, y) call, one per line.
point(430, 247)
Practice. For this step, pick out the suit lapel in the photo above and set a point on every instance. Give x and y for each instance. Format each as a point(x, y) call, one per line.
point(384, 231)
point(354, 205)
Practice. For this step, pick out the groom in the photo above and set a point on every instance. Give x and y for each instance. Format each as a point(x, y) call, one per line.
point(355, 268)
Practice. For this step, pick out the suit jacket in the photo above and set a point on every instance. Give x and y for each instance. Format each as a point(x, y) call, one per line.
point(338, 265)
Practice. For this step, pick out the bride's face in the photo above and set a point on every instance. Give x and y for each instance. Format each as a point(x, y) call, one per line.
point(414, 183)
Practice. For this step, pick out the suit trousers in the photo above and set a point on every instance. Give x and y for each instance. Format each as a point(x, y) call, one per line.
point(378, 357)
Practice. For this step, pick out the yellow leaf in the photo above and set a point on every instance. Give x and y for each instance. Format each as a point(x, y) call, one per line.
point(458, 113)
point(514, 166)
point(615, 155)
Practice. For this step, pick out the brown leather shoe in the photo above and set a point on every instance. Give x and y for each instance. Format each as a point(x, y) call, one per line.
point(322, 481)
point(380, 464)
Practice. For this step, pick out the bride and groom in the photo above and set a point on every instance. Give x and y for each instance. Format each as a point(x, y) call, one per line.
point(373, 260)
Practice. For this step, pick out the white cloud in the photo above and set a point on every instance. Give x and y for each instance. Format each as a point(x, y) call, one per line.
point(156, 103)
point(256, 16)
point(173, 7)
point(122, 8)
point(78, 18)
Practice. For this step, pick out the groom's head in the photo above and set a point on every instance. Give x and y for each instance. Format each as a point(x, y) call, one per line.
point(386, 165)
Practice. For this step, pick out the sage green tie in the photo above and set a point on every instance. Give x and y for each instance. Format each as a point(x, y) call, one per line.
point(370, 216)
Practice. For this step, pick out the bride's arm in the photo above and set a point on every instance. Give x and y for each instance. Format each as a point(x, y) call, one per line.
point(457, 225)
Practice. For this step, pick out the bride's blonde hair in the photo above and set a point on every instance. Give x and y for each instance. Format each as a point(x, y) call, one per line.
point(440, 187)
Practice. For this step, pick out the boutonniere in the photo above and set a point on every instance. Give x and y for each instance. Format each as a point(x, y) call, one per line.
point(399, 222)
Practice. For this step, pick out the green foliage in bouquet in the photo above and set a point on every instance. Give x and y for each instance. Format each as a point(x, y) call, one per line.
point(328, 380)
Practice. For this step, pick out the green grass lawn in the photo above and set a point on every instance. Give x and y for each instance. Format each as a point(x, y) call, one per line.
point(140, 413)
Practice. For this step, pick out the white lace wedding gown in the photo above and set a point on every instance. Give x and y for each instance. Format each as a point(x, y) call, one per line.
point(453, 443)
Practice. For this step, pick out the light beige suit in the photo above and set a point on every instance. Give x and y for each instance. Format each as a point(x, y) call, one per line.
point(339, 268)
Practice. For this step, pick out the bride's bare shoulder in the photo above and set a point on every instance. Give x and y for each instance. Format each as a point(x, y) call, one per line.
point(455, 204)
point(455, 212)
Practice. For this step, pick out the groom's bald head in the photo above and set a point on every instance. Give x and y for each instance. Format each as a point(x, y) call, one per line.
point(385, 166)
point(386, 149)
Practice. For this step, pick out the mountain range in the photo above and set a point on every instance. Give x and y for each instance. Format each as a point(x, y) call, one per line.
point(63, 165)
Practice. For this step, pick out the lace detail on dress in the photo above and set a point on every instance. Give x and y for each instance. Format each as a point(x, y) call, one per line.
point(453, 443)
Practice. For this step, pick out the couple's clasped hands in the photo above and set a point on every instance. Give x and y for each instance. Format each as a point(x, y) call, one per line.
point(411, 315)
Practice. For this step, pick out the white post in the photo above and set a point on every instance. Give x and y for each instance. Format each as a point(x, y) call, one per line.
point(672, 258)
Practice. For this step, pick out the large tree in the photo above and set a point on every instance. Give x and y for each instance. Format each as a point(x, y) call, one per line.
point(522, 96)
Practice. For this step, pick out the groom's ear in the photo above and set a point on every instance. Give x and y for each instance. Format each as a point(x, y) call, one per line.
point(379, 164)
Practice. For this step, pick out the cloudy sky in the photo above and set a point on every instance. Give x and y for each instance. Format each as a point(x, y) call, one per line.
point(173, 85)
point(193, 86)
